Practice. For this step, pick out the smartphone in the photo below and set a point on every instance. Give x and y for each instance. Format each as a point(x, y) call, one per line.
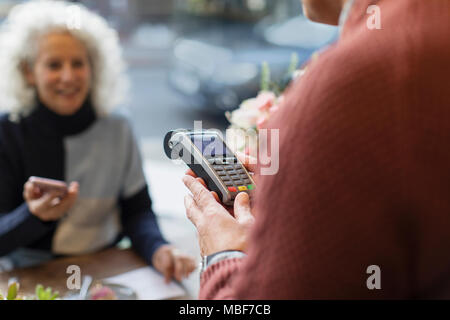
point(46, 185)
point(206, 153)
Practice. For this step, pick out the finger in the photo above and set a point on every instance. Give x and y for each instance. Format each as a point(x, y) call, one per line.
point(68, 201)
point(184, 270)
point(192, 211)
point(45, 203)
point(216, 196)
point(72, 191)
point(164, 262)
point(201, 195)
point(242, 210)
point(249, 162)
point(178, 262)
point(37, 192)
point(191, 173)
point(28, 190)
point(187, 264)
point(60, 207)
point(191, 266)
point(202, 182)
point(73, 187)
point(168, 268)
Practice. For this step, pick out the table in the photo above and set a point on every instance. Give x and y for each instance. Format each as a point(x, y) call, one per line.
point(107, 263)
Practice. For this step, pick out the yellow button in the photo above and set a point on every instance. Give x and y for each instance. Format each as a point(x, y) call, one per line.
point(244, 188)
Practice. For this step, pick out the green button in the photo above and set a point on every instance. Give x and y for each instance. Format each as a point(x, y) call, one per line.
point(251, 187)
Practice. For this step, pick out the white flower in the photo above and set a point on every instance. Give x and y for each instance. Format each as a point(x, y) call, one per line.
point(246, 115)
point(243, 140)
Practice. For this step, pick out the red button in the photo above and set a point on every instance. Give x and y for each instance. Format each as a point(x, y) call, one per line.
point(232, 189)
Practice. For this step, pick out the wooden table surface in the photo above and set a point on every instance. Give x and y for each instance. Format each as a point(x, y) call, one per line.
point(54, 274)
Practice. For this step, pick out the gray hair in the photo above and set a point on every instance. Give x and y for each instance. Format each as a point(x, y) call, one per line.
point(19, 35)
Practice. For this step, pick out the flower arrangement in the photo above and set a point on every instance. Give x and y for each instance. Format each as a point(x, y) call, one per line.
point(98, 292)
point(40, 293)
point(252, 114)
point(102, 292)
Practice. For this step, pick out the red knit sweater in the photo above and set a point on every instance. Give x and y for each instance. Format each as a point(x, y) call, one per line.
point(364, 173)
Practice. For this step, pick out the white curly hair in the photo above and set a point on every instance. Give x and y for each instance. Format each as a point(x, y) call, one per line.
point(19, 35)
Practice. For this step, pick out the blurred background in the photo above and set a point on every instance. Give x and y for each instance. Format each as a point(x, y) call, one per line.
point(193, 60)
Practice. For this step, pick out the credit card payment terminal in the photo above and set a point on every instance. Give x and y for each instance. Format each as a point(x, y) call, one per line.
point(206, 153)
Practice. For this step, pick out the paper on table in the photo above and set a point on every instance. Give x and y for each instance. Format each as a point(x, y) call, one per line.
point(148, 284)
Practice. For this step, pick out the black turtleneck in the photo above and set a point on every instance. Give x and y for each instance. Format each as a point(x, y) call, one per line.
point(51, 123)
point(37, 146)
point(42, 133)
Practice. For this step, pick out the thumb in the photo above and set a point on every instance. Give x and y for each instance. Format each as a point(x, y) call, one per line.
point(72, 192)
point(74, 187)
point(242, 210)
point(168, 268)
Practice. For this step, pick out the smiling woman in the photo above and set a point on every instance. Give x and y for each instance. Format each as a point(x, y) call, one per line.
point(34, 27)
point(62, 74)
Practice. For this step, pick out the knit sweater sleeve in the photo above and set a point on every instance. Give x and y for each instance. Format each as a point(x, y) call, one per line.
point(140, 224)
point(18, 226)
point(216, 280)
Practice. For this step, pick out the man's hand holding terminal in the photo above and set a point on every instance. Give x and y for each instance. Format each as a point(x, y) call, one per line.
point(218, 230)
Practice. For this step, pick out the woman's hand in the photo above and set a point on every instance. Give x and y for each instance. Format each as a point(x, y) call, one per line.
point(48, 206)
point(172, 263)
